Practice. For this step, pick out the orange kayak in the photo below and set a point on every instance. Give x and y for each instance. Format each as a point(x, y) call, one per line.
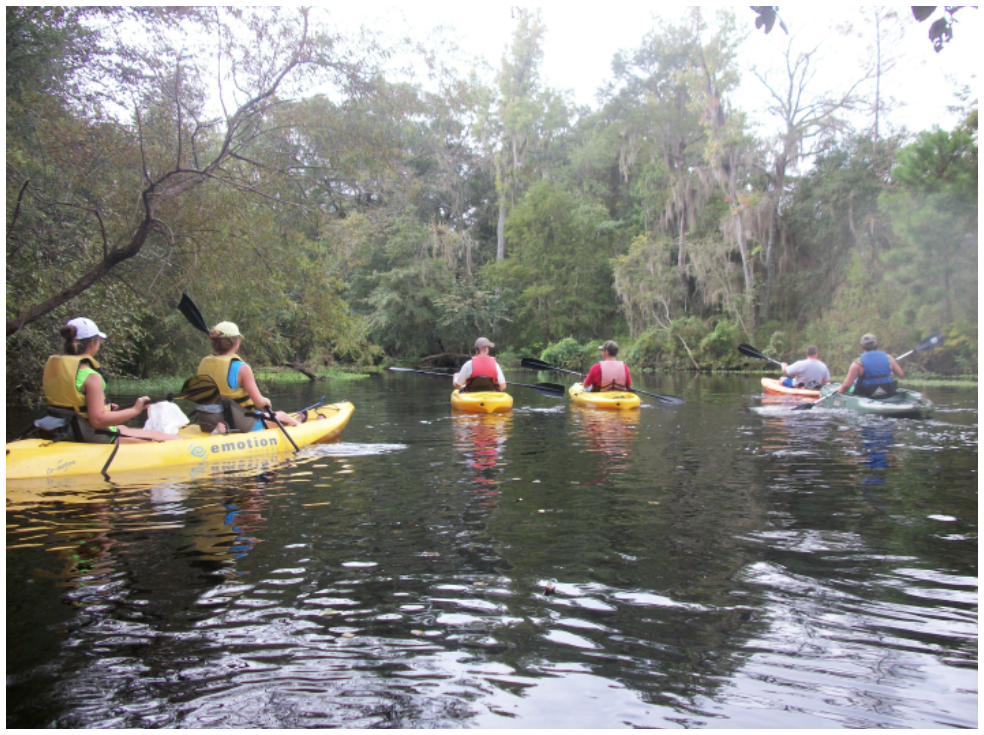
point(776, 388)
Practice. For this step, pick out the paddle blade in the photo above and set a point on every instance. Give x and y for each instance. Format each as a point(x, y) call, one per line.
point(530, 362)
point(554, 390)
point(199, 389)
point(187, 307)
point(929, 343)
point(750, 351)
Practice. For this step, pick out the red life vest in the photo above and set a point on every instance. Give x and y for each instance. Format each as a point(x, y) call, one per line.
point(612, 375)
point(484, 367)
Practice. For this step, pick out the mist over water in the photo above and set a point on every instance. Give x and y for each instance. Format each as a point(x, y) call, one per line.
point(724, 563)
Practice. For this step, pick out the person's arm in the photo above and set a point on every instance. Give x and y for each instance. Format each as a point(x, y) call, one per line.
point(500, 377)
point(628, 378)
point(594, 377)
point(852, 375)
point(896, 369)
point(826, 376)
point(785, 369)
point(460, 378)
point(247, 381)
point(95, 403)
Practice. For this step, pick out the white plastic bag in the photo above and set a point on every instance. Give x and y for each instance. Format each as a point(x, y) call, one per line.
point(166, 417)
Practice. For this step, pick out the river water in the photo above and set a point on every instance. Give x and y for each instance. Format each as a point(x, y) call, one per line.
point(724, 563)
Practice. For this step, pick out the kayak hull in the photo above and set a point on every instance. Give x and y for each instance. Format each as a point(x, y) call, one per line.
point(609, 400)
point(481, 402)
point(36, 458)
point(904, 404)
point(775, 387)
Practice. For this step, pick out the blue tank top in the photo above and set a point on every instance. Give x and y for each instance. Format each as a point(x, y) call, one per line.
point(877, 369)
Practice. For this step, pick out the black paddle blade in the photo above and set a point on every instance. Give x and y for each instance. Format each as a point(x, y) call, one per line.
point(554, 390)
point(187, 307)
point(668, 400)
point(530, 362)
point(750, 351)
point(929, 343)
point(199, 389)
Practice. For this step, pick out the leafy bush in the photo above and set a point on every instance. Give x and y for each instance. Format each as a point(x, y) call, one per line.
point(569, 355)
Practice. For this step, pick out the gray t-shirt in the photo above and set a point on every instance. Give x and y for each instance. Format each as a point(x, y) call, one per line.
point(808, 371)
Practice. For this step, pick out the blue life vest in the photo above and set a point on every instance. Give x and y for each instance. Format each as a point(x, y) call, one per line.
point(877, 369)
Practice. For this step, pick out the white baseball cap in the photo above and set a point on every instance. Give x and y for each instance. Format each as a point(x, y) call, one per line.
point(85, 328)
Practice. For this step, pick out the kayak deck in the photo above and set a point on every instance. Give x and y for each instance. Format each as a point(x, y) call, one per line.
point(481, 401)
point(34, 458)
point(903, 403)
point(612, 400)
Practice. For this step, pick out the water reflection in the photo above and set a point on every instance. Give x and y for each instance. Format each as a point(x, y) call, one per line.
point(701, 566)
point(610, 435)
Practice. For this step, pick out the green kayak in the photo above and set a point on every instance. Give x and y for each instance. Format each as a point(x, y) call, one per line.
point(903, 404)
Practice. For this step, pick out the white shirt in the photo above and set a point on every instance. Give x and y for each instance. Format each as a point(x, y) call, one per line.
point(810, 370)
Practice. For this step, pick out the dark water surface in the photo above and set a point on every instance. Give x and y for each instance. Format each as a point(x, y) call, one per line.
point(725, 563)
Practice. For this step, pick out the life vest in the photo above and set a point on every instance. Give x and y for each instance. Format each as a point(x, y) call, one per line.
point(58, 382)
point(612, 375)
point(485, 374)
point(66, 402)
point(877, 369)
point(217, 367)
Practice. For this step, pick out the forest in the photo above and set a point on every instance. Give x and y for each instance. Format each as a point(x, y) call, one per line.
point(348, 208)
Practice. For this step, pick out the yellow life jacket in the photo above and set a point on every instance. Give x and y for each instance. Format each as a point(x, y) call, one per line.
point(217, 368)
point(58, 382)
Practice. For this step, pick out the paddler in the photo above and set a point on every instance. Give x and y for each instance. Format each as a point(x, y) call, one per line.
point(237, 387)
point(611, 374)
point(809, 373)
point(482, 372)
point(873, 373)
point(76, 392)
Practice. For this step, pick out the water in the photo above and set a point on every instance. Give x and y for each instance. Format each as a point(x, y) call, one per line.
point(725, 563)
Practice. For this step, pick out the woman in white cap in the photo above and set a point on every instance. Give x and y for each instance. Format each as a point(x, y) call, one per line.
point(482, 372)
point(237, 387)
point(76, 391)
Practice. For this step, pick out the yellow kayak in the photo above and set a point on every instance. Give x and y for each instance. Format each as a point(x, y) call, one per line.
point(38, 458)
point(612, 399)
point(481, 402)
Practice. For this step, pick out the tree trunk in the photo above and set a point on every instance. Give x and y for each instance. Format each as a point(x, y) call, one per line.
point(500, 230)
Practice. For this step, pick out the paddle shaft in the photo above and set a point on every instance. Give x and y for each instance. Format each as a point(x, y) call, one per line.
point(546, 389)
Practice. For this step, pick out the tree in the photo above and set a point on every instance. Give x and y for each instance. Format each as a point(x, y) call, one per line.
point(175, 145)
point(934, 209)
point(809, 123)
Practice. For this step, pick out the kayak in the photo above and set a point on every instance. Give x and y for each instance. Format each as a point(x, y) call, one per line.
point(612, 399)
point(776, 388)
point(38, 458)
point(903, 404)
point(481, 401)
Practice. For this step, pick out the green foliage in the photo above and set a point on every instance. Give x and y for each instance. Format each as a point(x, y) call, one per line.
point(558, 269)
point(718, 347)
point(361, 224)
point(568, 354)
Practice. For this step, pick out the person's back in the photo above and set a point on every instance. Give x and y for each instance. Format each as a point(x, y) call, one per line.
point(482, 372)
point(808, 373)
point(610, 374)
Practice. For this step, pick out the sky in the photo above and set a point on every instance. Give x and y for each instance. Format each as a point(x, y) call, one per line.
point(581, 40)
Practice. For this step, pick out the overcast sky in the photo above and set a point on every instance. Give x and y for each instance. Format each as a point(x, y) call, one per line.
point(582, 38)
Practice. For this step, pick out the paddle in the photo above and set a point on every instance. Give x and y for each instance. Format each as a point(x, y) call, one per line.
point(529, 362)
point(750, 351)
point(197, 389)
point(187, 307)
point(554, 390)
point(934, 340)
